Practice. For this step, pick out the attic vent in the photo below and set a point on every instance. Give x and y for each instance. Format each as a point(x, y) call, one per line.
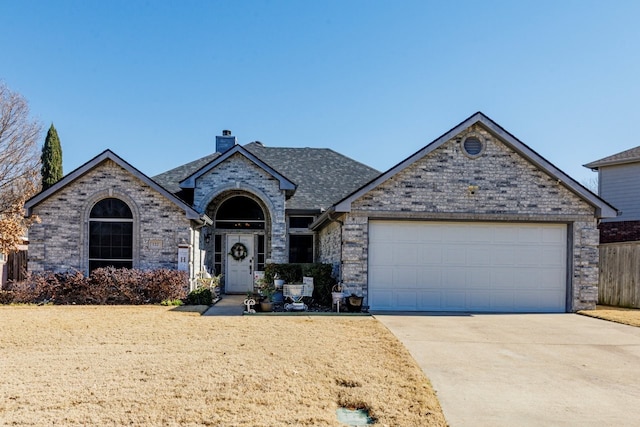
point(473, 146)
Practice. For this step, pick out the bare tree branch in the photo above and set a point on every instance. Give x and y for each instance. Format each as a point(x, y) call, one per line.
point(19, 166)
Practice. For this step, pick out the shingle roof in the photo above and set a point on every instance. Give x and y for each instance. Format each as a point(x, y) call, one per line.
point(628, 156)
point(171, 178)
point(322, 176)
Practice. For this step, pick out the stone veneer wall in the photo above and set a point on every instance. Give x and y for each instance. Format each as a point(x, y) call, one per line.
point(60, 242)
point(509, 189)
point(239, 173)
point(330, 246)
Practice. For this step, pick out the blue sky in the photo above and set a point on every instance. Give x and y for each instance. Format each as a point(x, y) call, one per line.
point(155, 81)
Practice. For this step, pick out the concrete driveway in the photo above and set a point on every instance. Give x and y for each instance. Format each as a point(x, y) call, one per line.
point(526, 369)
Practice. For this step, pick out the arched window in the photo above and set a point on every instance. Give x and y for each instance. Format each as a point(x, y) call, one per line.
point(240, 213)
point(110, 235)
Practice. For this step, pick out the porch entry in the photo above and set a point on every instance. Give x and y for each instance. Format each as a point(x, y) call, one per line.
point(239, 265)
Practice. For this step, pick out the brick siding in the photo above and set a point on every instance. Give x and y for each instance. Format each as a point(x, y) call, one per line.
point(509, 188)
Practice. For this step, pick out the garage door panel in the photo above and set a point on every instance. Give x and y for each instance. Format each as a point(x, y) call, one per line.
point(467, 266)
point(407, 277)
point(548, 278)
point(474, 235)
point(405, 254)
point(406, 300)
point(453, 277)
point(552, 256)
point(455, 301)
point(431, 255)
point(529, 234)
point(550, 235)
point(503, 278)
point(381, 273)
point(382, 299)
point(502, 300)
point(503, 255)
point(508, 234)
point(526, 278)
point(526, 256)
point(451, 255)
point(477, 255)
point(430, 300)
point(479, 279)
point(454, 234)
point(479, 301)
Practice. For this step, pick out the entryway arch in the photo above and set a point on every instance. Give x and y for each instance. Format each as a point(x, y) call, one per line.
point(237, 241)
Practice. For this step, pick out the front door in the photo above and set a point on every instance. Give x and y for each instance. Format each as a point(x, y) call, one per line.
point(239, 275)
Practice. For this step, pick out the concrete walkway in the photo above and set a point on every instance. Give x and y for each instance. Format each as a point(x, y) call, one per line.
point(528, 369)
point(229, 305)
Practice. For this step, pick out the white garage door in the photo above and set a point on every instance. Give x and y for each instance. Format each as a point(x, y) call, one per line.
point(485, 267)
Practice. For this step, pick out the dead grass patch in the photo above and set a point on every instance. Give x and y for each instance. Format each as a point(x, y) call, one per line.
point(151, 365)
point(627, 316)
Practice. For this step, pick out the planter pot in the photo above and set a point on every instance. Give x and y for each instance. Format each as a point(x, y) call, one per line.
point(278, 283)
point(277, 297)
point(354, 303)
point(336, 297)
point(297, 306)
point(266, 306)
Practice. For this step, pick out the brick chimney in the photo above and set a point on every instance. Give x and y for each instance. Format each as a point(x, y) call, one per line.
point(225, 142)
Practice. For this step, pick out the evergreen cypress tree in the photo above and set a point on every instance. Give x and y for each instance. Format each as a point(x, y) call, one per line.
point(51, 159)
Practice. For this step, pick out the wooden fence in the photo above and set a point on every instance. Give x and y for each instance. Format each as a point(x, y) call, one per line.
point(619, 282)
point(17, 266)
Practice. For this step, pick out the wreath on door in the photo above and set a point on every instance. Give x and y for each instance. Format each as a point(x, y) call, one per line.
point(238, 251)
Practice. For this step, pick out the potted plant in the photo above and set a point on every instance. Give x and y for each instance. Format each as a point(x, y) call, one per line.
point(266, 291)
point(354, 303)
point(277, 281)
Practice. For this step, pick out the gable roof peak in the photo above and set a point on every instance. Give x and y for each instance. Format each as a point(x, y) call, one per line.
point(96, 161)
point(285, 184)
point(602, 207)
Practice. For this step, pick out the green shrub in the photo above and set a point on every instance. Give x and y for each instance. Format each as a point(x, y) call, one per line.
point(200, 296)
point(171, 302)
point(323, 280)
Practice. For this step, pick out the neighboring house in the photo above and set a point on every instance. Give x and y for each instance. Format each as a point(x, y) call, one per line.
point(474, 221)
point(619, 184)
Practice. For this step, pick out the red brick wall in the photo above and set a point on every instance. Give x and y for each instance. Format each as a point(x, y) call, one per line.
point(622, 231)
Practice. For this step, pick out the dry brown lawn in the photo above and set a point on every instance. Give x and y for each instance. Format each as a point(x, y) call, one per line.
point(627, 316)
point(152, 365)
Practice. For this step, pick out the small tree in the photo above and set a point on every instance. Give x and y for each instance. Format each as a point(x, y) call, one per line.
point(51, 159)
point(19, 166)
